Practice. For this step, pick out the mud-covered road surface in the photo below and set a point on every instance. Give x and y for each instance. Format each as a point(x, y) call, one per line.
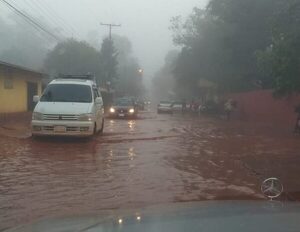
point(154, 159)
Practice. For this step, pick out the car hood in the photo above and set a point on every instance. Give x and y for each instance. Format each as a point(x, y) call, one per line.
point(206, 216)
point(63, 108)
point(123, 107)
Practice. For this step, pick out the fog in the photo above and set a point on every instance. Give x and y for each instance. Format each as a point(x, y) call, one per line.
point(208, 35)
point(145, 22)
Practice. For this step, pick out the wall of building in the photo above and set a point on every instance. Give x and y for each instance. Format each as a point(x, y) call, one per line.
point(14, 100)
point(261, 106)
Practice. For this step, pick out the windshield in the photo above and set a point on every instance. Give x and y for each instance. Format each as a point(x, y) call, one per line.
point(123, 102)
point(177, 103)
point(67, 93)
point(165, 103)
point(117, 104)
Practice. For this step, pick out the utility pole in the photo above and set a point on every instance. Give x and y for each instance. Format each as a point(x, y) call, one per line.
point(110, 27)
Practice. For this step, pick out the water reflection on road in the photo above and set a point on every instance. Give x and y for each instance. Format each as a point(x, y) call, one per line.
point(151, 160)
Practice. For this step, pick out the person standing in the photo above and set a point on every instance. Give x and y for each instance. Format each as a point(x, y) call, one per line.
point(228, 108)
point(192, 105)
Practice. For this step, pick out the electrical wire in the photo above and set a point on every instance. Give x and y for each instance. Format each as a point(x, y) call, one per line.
point(55, 15)
point(30, 20)
point(50, 21)
point(26, 9)
point(40, 33)
point(45, 13)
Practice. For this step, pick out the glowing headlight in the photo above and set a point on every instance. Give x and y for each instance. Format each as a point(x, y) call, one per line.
point(85, 117)
point(131, 111)
point(37, 116)
point(112, 110)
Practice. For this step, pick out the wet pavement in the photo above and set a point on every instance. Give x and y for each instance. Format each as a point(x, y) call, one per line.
point(154, 159)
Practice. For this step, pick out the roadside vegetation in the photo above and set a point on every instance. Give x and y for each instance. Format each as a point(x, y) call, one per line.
point(239, 46)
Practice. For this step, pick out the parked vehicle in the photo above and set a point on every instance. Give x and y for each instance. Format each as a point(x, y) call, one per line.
point(70, 106)
point(177, 107)
point(165, 107)
point(123, 108)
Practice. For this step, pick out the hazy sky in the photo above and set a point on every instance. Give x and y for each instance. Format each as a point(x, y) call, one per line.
point(144, 22)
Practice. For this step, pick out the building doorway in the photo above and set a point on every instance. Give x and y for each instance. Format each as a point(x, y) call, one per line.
point(32, 90)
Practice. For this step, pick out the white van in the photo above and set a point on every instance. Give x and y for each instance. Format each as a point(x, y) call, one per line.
point(68, 107)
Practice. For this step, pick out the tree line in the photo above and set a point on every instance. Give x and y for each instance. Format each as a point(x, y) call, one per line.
point(113, 66)
point(239, 45)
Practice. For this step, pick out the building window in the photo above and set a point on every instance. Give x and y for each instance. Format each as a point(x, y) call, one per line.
point(8, 82)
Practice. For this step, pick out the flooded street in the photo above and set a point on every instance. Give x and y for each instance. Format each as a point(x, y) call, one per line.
point(154, 159)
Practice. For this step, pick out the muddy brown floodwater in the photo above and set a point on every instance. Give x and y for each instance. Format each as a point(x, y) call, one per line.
point(154, 159)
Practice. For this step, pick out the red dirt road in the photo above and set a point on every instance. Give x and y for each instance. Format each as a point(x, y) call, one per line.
point(155, 159)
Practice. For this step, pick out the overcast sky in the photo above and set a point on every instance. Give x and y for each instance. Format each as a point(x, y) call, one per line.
point(144, 22)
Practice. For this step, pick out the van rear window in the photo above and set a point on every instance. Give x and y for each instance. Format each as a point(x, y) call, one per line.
point(67, 93)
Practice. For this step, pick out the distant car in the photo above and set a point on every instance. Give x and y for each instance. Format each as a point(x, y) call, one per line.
point(177, 107)
point(165, 107)
point(123, 108)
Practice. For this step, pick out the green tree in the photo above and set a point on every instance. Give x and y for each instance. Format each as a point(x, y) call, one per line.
point(73, 57)
point(163, 85)
point(219, 43)
point(130, 82)
point(280, 61)
point(108, 63)
point(123, 46)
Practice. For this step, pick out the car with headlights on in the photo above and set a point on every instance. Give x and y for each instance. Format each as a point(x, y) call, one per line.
point(123, 108)
point(69, 106)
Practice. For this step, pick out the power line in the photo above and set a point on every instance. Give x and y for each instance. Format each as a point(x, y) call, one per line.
point(50, 15)
point(42, 21)
point(40, 35)
point(110, 27)
point(60, 23)
point(59, 19)
point(30, 20)
point(33, 7)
